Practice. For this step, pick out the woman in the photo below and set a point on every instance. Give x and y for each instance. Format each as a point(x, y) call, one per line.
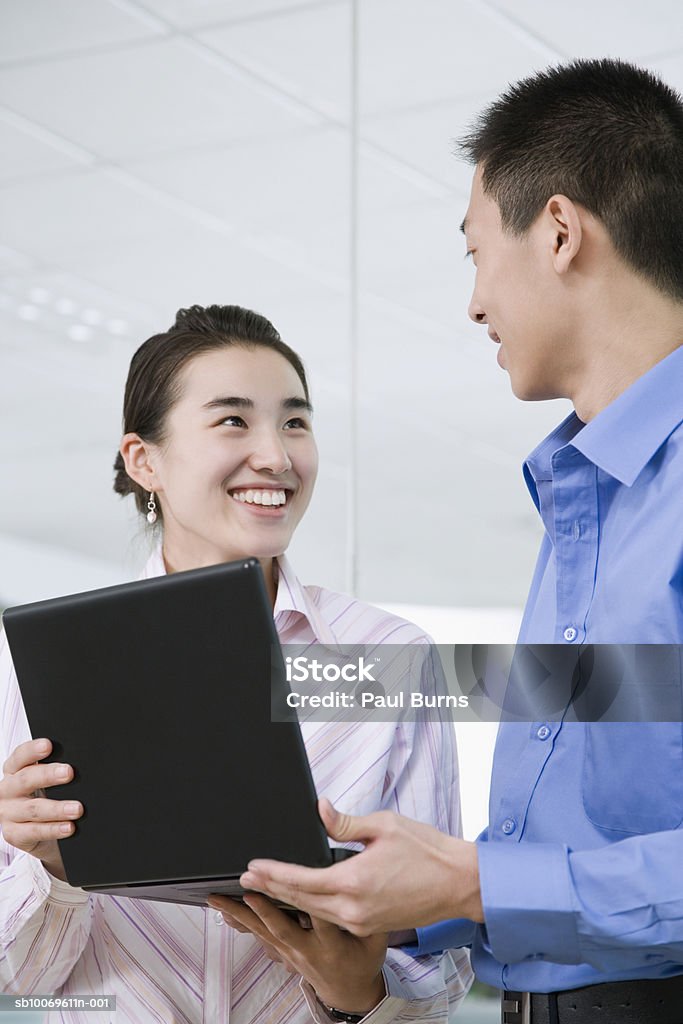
point(218, 450)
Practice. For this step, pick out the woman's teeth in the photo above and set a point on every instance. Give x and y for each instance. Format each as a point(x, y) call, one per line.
point(261, 497)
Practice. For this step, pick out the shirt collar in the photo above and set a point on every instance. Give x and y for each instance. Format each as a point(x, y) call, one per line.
point(628, 432)
point(538, 464)
point(622, 439)
point(291, 595)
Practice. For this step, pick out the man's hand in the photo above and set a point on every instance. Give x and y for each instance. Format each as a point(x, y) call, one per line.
point(345, 971)
point(30, 821)
point(408, 875)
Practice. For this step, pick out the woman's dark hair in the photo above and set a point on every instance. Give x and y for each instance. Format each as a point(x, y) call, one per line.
point(153, 384)
point(606, 134)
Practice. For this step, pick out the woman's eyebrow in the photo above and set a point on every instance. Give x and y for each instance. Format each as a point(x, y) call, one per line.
point(230, 402)
point(297, 403)
point(235, 402)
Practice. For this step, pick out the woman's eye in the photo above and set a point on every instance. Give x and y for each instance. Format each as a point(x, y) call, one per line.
point(296, 423)
point(234, 421)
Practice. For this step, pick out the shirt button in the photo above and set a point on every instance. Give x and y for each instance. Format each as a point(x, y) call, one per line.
point(218, 917)
point(569, 634)
point(576, 530)
point(543, 732)
point(508, 826)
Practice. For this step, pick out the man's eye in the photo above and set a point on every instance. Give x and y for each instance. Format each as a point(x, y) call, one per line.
point(234, 421)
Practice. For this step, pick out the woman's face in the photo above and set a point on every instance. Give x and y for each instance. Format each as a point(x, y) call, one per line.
point(237, 468)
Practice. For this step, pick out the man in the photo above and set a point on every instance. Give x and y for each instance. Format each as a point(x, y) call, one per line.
point(575, 226)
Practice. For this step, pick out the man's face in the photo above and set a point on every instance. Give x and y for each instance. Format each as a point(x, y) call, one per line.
point(514, 295)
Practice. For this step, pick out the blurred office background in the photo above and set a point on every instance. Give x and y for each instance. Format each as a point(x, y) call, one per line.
point(295, 157)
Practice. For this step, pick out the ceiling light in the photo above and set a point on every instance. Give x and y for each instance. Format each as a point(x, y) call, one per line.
point(65, 306)
point(39, 295)
point(91, 316)
point(79, 332)
point(117, 326)
point(28, 313)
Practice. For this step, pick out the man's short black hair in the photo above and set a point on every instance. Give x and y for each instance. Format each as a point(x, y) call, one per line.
point(607, 135)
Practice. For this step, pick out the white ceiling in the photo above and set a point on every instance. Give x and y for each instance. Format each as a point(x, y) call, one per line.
point(166, 152)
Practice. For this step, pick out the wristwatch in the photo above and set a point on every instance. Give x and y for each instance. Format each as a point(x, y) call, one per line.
point(343, 1017)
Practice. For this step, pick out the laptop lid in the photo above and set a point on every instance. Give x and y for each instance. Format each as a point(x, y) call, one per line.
point(159, 694)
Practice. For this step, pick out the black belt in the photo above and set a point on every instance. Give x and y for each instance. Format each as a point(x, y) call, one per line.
point(651, 1001)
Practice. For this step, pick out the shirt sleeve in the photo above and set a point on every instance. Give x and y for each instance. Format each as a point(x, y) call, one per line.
point(618, 908)
point(44, 922)
point(450, 934)
point(418, 990)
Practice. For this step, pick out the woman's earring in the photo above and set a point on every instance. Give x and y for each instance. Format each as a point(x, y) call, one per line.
point(152, 509)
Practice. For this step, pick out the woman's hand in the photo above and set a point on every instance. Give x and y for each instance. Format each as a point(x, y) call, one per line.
point(344, 970)
point(29, 821)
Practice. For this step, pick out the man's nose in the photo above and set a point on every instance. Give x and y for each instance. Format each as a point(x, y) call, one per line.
point(476, 313)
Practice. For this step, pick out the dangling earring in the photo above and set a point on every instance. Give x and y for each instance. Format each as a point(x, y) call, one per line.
point(152, 507)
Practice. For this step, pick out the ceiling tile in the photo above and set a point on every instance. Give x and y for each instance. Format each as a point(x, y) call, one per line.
point(295, 189)
point(66, 219)
point(27, 154)
point(185, 265)
point(425, 138)
point(626, 29)
point(414, 52)
point(41, 28)
point(160, 96)
point(307, 51)
point(190, 14)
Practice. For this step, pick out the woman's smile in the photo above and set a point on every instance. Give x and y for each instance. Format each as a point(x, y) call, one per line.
point(262, 500)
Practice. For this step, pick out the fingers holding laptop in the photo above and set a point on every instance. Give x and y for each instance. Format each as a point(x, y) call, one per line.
point(409, 874)
point(314, 952)
point(30, 821)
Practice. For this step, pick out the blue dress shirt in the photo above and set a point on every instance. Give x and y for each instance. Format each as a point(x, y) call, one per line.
point(582, 863)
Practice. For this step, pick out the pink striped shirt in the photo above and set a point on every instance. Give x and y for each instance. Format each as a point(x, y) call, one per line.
point(181, 965)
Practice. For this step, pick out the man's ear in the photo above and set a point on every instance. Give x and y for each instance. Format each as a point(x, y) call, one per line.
point(136, 455)
point(565, 232)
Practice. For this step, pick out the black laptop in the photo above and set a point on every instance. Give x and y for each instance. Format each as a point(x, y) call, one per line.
point(159, 694)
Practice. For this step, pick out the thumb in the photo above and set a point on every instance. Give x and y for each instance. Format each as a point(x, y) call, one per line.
point(345, 828)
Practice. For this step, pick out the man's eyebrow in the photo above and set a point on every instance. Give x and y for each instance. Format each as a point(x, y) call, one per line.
point(229, 402)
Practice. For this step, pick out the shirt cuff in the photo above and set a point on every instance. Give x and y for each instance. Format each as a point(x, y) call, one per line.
point(54, 889)
point(435, 938)
point(384, 1013)
point(529, 912)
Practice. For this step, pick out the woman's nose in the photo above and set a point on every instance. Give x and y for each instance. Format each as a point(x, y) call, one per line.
point(270, 454)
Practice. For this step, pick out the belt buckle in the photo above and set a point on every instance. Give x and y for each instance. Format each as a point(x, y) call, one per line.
point(515, 1008)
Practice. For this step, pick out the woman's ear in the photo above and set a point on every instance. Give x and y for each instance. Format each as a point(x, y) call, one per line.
point(136, 455)
point(564, 231)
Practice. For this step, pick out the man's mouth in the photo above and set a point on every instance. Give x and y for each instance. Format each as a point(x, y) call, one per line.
point(260, 497)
